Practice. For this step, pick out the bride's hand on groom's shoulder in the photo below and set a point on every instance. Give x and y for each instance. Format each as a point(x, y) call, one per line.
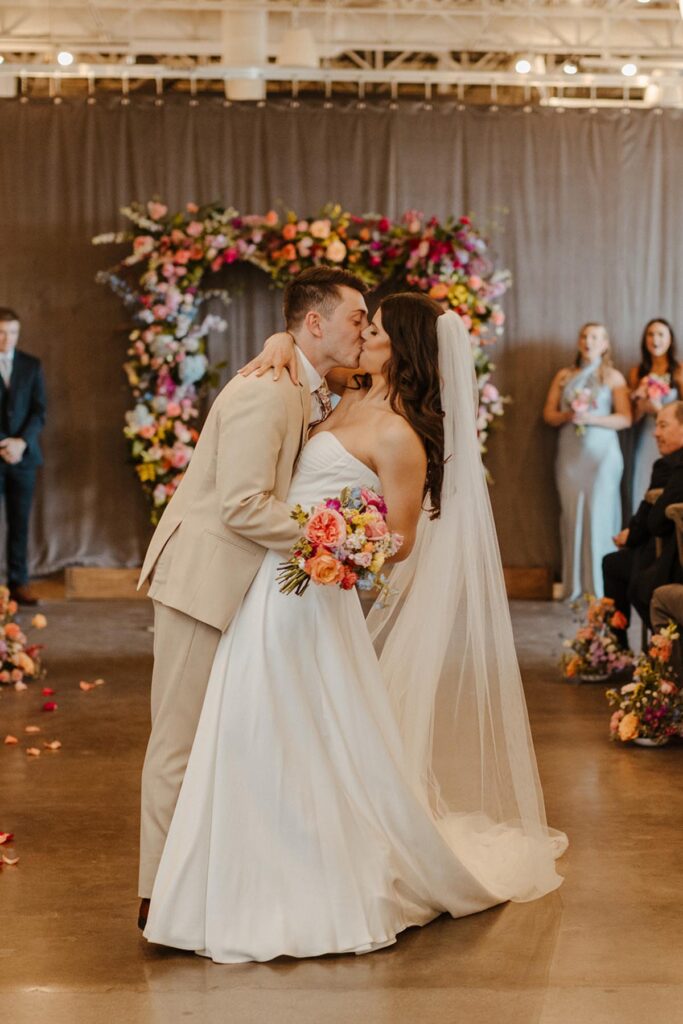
point(278, 353)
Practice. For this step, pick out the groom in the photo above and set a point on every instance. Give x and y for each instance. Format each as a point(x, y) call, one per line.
point(228, 510)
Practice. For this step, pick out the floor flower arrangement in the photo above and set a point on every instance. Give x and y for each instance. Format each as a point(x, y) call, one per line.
point(594, 653)
point(649, 709)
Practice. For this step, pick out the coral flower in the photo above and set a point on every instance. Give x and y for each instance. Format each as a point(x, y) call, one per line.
point(325, 569)
point(326, 527)
point(628, 727)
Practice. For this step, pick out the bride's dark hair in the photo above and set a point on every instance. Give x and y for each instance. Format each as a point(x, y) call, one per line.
point(412, 374)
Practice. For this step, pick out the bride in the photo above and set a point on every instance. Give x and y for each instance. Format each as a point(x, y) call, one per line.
point(335, 796)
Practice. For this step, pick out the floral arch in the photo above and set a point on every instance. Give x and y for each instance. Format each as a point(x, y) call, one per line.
point(161, 281)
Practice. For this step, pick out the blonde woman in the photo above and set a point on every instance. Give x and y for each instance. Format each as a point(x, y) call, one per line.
point(588, 402)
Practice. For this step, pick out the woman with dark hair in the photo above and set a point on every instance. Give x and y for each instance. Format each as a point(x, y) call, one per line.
point(589, 403)
point(334, 796)
point(656, 381)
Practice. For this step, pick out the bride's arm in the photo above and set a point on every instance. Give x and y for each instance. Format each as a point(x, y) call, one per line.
point(279, 354)
point(401, 466)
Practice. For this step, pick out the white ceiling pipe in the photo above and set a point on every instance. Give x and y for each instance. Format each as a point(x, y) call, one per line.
point(244, 44)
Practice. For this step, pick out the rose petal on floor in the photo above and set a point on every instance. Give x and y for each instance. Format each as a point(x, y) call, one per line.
point(49, 705)
point(32, 728)
point(52, 745)
point(86, 686)
point(19, 686)
point(6, 837)
point(33, 752)
point(47, 692)
point(11, 740)
point(9, 860)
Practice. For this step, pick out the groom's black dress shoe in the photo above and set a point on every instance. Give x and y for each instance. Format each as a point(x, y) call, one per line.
point(142, 914)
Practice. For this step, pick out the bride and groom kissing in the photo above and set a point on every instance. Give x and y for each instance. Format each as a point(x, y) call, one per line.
point(316, 782)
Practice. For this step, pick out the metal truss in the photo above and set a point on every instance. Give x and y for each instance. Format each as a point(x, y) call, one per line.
point(466, 46)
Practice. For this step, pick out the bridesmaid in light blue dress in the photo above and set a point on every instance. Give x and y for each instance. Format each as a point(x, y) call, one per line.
point(658, 360)
point(589, 403)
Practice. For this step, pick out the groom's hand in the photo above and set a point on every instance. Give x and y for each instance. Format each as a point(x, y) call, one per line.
point(278, 353)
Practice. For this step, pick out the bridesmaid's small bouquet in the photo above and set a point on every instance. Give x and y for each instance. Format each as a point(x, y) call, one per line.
point(345, 543)
point(649, 710)
point(657, 387)
point(582, 401)
point(594, 653)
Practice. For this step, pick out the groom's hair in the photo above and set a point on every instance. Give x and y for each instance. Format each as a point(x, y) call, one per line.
point(317, 288)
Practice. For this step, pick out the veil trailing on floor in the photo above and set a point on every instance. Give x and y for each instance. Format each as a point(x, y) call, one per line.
point(449, 660)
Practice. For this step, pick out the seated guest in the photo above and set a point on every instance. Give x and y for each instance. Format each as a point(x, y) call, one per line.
point(632, 573)
point(22, 416)
point(667, 606)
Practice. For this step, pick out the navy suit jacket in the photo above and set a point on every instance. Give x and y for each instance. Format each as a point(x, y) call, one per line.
point(23, 405)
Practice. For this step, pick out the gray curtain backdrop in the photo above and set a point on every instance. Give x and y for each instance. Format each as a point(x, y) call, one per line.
point(585, 209)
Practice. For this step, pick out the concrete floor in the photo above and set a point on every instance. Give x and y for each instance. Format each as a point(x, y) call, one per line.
point(605, 948)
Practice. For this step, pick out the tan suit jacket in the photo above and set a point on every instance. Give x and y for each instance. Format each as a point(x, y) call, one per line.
point(230, 505)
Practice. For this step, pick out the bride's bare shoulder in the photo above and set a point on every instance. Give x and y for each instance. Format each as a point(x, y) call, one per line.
point(396, 437)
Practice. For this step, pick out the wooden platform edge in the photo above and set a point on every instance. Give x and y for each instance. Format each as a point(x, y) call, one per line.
point(92, 584)
point(534, 583)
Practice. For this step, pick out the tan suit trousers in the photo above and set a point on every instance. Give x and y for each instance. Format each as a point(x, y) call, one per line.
point(184, 650)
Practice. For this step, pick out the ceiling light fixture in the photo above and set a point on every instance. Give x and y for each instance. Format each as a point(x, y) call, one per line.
point(523, 66)
point(629, 69)
point(65, 58)
point(569, 67)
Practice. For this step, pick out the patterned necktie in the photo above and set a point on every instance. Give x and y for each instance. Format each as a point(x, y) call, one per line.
point(324, 400)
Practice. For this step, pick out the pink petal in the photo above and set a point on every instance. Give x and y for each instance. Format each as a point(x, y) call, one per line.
point(32, 728)
point(47, 692)
point(9, 860)
point(53, 745)
point(9, 740)
point(86, 686)
point(6, 837)
point(49, 705)
point(33, 752)
point(19, 686)
point(99, 682)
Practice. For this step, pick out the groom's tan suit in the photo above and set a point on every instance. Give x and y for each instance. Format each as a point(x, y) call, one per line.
point(228, 510)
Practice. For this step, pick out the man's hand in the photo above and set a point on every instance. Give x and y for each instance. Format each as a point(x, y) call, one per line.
point(12, 450)
point(278, 353)
point(621, 538)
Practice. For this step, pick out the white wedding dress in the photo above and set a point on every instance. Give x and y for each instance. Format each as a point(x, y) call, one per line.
point(298, 829)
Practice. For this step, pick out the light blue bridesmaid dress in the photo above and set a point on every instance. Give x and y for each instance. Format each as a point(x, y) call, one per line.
point(645, 452)
point(588, 473)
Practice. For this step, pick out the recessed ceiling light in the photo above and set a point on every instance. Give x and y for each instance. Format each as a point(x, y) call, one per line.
point(65, 58)
point(569, 67)
point(523, 66)
point(629, 69)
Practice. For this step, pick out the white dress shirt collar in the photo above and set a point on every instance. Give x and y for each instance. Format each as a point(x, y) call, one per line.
point(312, 376)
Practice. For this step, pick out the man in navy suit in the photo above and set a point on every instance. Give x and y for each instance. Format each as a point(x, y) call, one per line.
point(22, 417)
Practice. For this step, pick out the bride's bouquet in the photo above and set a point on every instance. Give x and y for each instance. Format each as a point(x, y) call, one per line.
point(345, 543)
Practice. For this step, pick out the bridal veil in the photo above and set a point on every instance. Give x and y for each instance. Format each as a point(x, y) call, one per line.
point(449, 660)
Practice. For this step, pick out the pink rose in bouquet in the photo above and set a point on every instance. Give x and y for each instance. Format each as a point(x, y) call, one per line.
point(326, 527)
